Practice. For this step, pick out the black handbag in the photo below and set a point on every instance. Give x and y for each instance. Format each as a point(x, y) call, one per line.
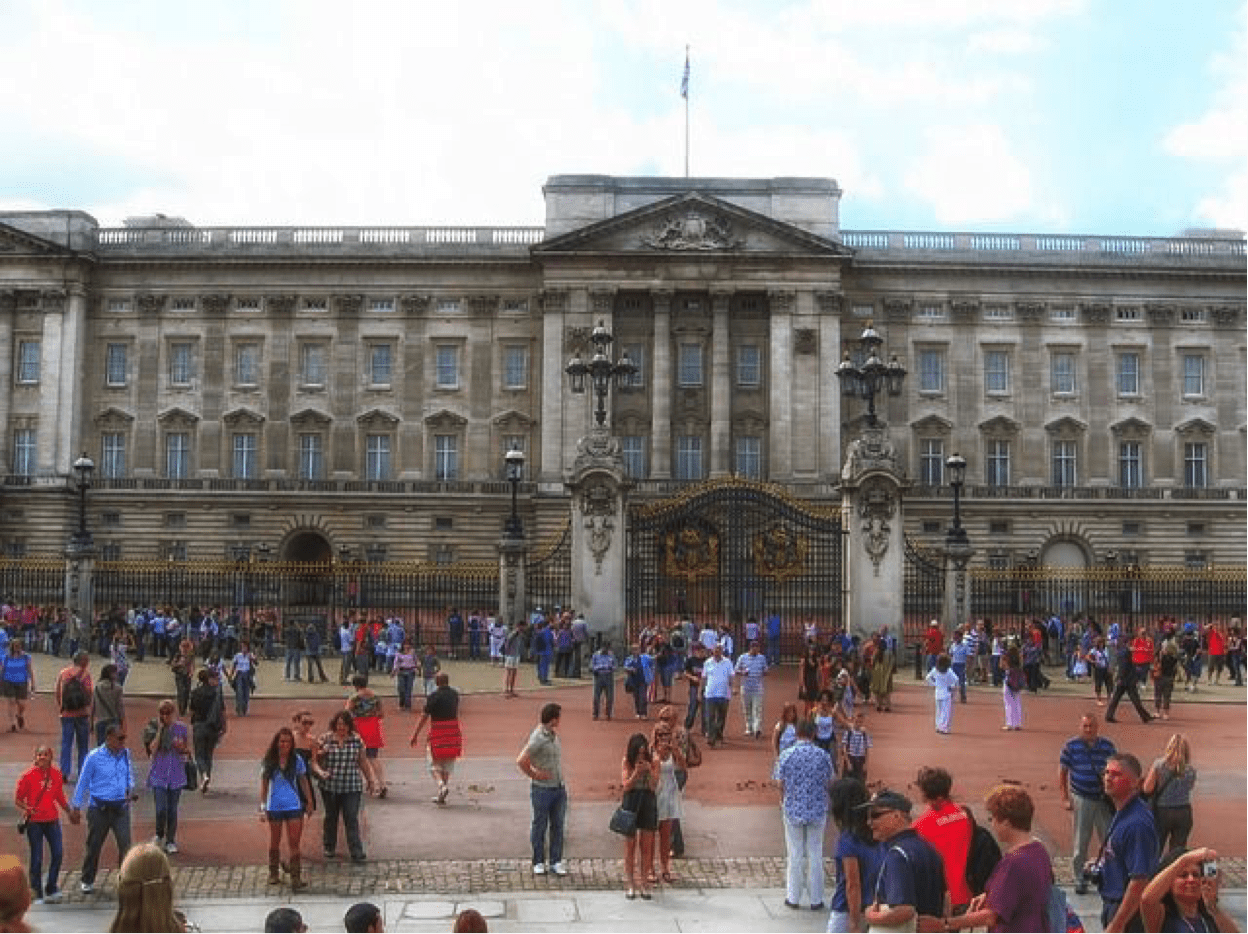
point(192, 774)
point(623, 822)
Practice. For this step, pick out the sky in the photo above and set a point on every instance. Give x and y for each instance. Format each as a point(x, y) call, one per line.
point(1126, 117)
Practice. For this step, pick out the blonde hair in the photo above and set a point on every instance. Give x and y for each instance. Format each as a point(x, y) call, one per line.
point(1178, 754)
point(145, 892)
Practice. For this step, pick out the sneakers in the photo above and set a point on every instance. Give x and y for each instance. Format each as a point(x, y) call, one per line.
point(157, 840)
point(539, 869)
point(559, 869)
point(86, 888)
point(171, 847)
point(53, 898)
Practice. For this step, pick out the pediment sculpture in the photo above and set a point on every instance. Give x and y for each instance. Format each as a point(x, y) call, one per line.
point(693, 231)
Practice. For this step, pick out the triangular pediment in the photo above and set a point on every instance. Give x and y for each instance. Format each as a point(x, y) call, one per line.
point(15, 242)
point(311, 418)
point(1195, 426)
point(692, 224)
point(177, 417)
point(932, 425)
point(243, 417)
point(1131, 427)
point(445, 420)
point(1066, 425)
point(999, 425)
point(377, 420)
point(114, 418)
point(512, 420)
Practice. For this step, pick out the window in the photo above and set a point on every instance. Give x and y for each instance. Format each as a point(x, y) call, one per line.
point(175, 520)
point(447, 306)
point(110, 520)
point(379, 365)
point(444, 523)
point(1127, 313)
point(248, 304)
point(1195, 464)
point(931, 527)
point(24, 452)
point(118, 305)
point(181, 363)
point(998, 313)
point(375, 521)
point(931, 312)
point(377, 457)
point(1063, 313)
point(931, 461)
point(1064, 463)
point(381, 305)
point(749, 457)
point(182, 304)
point(110, 551)
point(515, 367)
point(1130, 465)
point(1062, 373)
point(115, 365)
point(1196, 560)
point(997, 464)
point(28, 362)
point(312, 359)
point(316, 304)
point(245, 456)
point(113, 455)
point(447, 366)
point(862, 311)
point(637, 354)
point(1129, 373)
point(311, 457)
point(999, 527)
point(633, 450)
point(690, 365)
point(247, 364)
point(241, 520)
point(1130, 528)
point(1192, 315)
point(177, 455)
point(446, 457)
point(997, 372)
point(1196, 529)
point(689, 457)
point(1193, 374)
point(932, 371)
point(749, 366)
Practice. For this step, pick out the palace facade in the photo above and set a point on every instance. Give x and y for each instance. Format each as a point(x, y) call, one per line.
point(314, 392)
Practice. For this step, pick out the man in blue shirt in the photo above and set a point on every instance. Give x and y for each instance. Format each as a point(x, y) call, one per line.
point(805, 773)
point(911, 883)
point(1080, 779)
point(106, 785)
point(1130, 856)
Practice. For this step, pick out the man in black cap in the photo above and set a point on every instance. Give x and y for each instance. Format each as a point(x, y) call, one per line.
point(911, 883)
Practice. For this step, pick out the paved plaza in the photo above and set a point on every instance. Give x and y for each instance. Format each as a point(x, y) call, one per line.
point(425, 862)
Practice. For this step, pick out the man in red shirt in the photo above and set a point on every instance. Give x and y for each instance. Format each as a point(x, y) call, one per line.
point(947, 828)
point(933, 644)
point(1217, 652)
point(75, 708)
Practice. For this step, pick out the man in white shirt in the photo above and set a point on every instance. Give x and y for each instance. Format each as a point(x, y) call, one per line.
point(752, 666)
point(717, 674)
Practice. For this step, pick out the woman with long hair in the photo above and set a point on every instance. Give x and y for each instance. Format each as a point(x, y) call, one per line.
point(284, 801)
point(1170, 782)
point(882, 668)
point(808, 679)
point(857, 855)
point(348, 774)
point(307, 748)
point(18, 684)
point(1181, 897)
point(669, 758)
point(145, 893)
point(784, 733)
point(40, 791)
point(638, 775)
point(167, 742)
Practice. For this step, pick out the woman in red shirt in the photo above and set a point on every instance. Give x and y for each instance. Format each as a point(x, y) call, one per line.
point(1142, 653)
point(40, 790)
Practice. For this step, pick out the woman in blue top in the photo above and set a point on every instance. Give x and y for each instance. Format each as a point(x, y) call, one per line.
point(857, 855)
point(18, 684)
point(243, 677)
point(284, 801)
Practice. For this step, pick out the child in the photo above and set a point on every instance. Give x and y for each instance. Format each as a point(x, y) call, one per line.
point(429, 668)
point(854, 749)
point(945, 681)
point(825, 722)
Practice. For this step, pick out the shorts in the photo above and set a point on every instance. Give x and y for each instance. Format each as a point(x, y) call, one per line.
point(372, 753)
point(277, 816)
point(511, 661)
point(15, 690)
point(442, 765)
point(645, 804)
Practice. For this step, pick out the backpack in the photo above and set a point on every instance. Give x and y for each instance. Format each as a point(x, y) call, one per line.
point(73, 695)
point(982, 856)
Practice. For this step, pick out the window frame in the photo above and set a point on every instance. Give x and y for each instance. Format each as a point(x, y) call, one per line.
point(112, 350)
point(936, 356)
point(932, 455)
point(314, 364)
point(179, 366)
point(1003, 373)
point(689, 465)
point(25, 451)
point(244, 455)
point(29, 362)
point(633, 452)
point(1201, 375)
point(749, 373)
point(446, 457)
point(448, 368)
point(1064, 462)
point(247, 363)
point(1130, 465)
point(375, 366)
point(515, 367)
point(310, 454)
point(1124, 373)
point(378, 463)
point(177, 455)
point(1196, 469)
point(1063, 372)
point(689, 369)
point(998, 455)
point(112, 455)
point(747, 457)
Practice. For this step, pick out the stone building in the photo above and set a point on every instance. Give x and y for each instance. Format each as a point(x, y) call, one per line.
point(321, 390)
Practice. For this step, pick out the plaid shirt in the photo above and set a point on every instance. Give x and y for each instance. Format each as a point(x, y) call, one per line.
point(342, 761)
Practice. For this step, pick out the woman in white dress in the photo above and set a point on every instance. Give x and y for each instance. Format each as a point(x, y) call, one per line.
point(667, 759)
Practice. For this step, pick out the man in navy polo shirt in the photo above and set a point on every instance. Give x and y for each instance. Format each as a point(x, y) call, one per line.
point(1130, 856)
point(1080, 779)
point(911, 883)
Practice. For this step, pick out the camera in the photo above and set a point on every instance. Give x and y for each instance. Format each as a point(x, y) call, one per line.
point(1092, 872)
point(1209, 868)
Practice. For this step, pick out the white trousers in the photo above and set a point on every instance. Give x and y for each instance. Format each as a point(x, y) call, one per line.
point(944, 714)
point(804, 845)
point(752, 707)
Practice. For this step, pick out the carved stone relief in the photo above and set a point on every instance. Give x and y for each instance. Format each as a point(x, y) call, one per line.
point(695, 231)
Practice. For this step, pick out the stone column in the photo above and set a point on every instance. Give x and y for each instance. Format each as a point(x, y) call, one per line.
point(829, 440)
point(957, 604)
point(8, 308)
point(80, 586)
point(512, 568)
point(780, 449)
point(554, 309)
point(661, 388)
point(721, 387)
point(597, 484)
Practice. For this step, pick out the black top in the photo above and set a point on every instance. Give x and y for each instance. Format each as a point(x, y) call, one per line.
point(443, 704)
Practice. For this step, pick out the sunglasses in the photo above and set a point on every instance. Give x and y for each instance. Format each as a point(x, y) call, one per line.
point(876, 815)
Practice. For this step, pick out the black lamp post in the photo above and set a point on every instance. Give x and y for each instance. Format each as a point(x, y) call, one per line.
point(601, 370)
point(957, 544)
point(514, 459)
point(955, 465)
point(84, 467)
point(873, 376)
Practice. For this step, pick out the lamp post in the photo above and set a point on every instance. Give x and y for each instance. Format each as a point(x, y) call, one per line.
point(514, 460)
point(957, 545)
point(873, 376)
point(84, 467)
point(601, 371)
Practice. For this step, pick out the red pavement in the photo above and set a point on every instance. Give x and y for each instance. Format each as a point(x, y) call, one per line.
point(733, 784)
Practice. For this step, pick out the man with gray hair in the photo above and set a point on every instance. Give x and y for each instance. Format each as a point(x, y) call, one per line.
point(1129, 859)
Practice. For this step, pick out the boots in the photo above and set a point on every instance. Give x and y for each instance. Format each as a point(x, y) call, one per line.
point(296, 873)
point(275, 872)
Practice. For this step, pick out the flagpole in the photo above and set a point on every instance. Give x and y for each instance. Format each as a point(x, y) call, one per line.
point(684, 92)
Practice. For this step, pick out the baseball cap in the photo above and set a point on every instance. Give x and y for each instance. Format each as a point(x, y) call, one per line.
point(886, 800)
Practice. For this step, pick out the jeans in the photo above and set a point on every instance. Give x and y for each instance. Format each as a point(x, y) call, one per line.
point(604, 686)
point(1133, 693)
point(74, 729)
point(344, 669)
point(959, 669)
point(405, 680)
point(346, 803)
point(717, 716)
point(205, 739)
point(773, 649)
point(242, 692)
point(549, 806)
point(294, 665)
point(37, 832)
point(543, 667)
point(100, 821)
point(752, 707)
point(166, 800)
point(1090, 813)
point(314, 658)
point(474, 644)
point(804, 849)
point(183, 682)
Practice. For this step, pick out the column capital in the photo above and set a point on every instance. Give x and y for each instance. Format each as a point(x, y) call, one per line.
point(782, 300)
point(830, 303)
point(602, 299)
point(662, 299)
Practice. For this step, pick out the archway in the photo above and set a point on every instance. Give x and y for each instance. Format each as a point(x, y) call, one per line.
point(1064, 553)
point(307, 547)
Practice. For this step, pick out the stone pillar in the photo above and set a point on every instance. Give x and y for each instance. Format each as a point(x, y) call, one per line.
point(780, 452)
point(80, 588)
point(512, 568)
point(8, 310)
point(597, 484)
point(872, 482)
point(721, 387)
point(957, 605)
point(554, 308)
point(661, 389)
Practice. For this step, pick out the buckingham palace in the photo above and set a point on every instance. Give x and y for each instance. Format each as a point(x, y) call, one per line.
point(316, 391)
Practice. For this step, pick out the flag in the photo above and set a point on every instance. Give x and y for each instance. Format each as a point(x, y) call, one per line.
point(684, 81)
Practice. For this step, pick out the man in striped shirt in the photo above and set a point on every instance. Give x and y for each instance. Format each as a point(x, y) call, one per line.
point(752, 666)
point(1080, 782)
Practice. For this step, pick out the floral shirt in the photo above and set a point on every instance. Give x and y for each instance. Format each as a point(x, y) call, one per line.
point(805, 771)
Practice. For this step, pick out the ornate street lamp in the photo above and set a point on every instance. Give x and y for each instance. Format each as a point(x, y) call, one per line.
point(514, 460)
point(600, 370)
point(873, 376)
point(84, 467)
point(956, 468)
point(957, 544)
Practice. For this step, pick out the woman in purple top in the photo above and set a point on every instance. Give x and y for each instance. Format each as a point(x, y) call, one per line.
point(165, 740)
point(1016, 896)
